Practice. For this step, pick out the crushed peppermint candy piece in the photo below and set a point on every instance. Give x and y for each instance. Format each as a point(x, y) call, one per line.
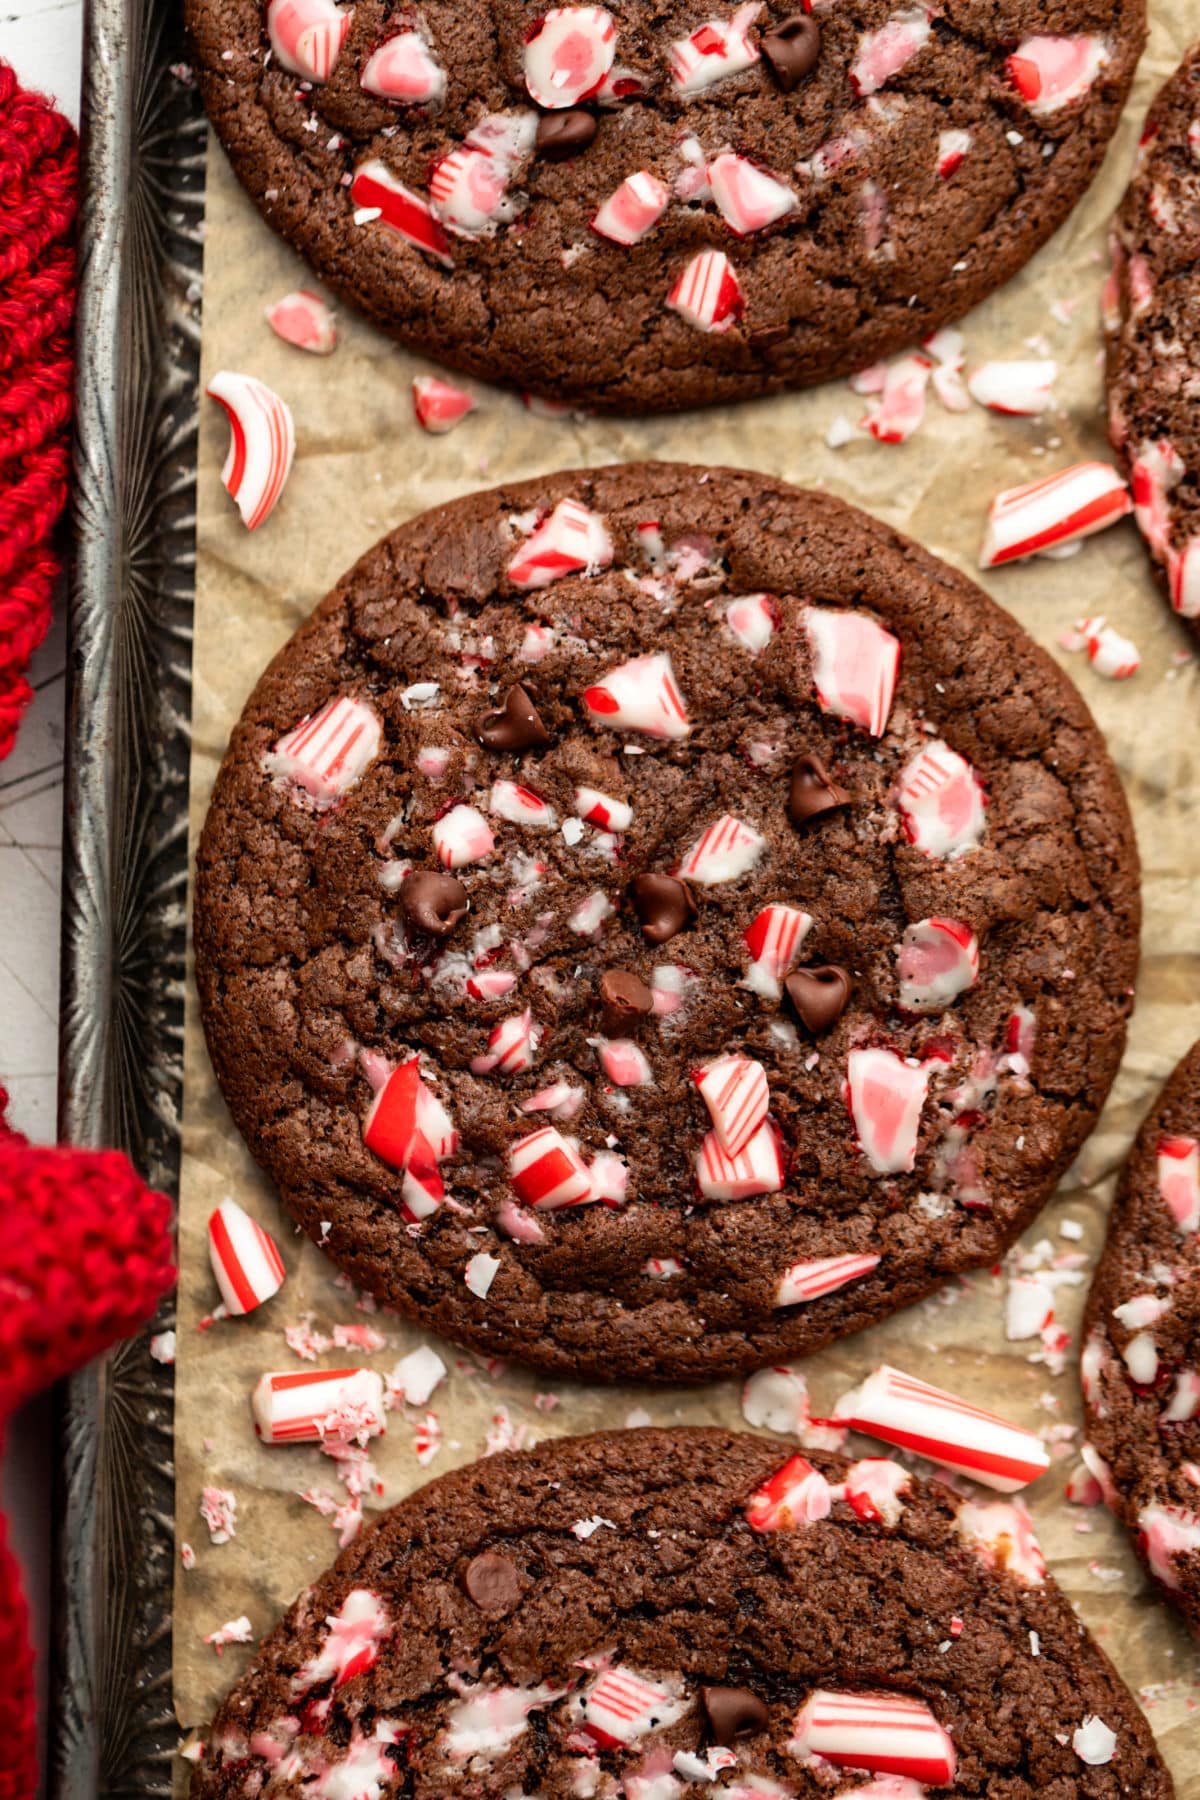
point(327, 752)
point(1179, 1181)
point(758, 1169)
point(351, 1643)
point(415, 1376)
point(462, 836)
point(572, 541)
point(753, 619)
point(885, 1095)
point(952, 149)
point(713, 51)
point(244, 1258)
point(806, 1281)
point(725, 851)
point(377, 192)
point(734, 1089)
point(511, 1046)
point(624, 1063)
point(234, 1631)
point(640, 695)
point(602, 810)
point(796, 1494)
point(1001, 1532)
point(633, 209)
point(900, 409)
point(915, 1416)
point(1051, 72)
point(1024, 388)
point(312, 1405)
point(262, 444)
point(1094, 1742)
point(520, 806)
point(622, 1707)
point(408, 1128)
point(1057, 509)
point(469, 191)
point(548, 1173)
point(748, 197)
point(941, 802)
point(855, 665)
point(404, 69)
point(480, 1272)
point(774, 939)
point(707, 293)
point(938, 961)
point(591, 914)
point(439, 405)
point(307, 36)
point(302, 318)
point(1166, 1532)
point(883, 53)
point(1110, 654)
point(873, 1488)
point(568, 53)
point(886, 1734)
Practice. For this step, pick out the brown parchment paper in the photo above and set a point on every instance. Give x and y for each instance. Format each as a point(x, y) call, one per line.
point(362, 467)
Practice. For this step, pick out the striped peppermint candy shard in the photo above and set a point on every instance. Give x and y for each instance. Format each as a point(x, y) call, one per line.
point(900, 409)
point(408, 1128)
point(753, 619)
point(350, 1643)
point(303, 319)
point(911, 1414)
point(248, 1267)
point(938, 961)
point(1055, 510)
point(748, 198)
point(1001, 1533)
point(469, 191)
point(640, 695)
point(883, 53)
point(633, 209)
point(511, 1046)
point(885, 1095)
point(462, 836)
point(621, 1707)
point(952, 149)
point(572, 541)
point(624, 1063)
point(713, 51)
point(886, 1734)
point(941, 801)
point(1179, 1181)
point(796, 1494)
point(262, 444)
point(404, 69)
point(1050, 72)
point(735, 1091)
point(307, 36)
point(1021, 388)
point(329, 751)
point(1157, 471)
point(378, 194)
point(547, 1172)
point(774, 939)
point(602, 810)
point(757, 1170)
point(569, 54)
point(855, 665)
point(439, 405)
point(726, 850)
point(707, 293)
point(873, 1488)
point(1165, 1533)
point(806, 1281)
point(520, 806)
point(309, 1405)
point(1183, 577)
point(1110, 654)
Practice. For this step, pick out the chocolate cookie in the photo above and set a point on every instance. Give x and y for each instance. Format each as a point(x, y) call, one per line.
point(1141, 1358)
point(1152, 327)
point(653, 1614)
point(662, 206)
point(654, 921)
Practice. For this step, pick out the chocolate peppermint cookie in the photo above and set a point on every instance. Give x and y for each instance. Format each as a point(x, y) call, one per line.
point(1152, 326)
point(654, 1614)
point(662, 206)
point(1141, 1358)
point(651, 922)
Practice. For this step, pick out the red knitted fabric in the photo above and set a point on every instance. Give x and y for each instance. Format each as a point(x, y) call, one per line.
point(38, 193)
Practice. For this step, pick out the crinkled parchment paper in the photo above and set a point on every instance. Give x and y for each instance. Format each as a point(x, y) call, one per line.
point(363, 467)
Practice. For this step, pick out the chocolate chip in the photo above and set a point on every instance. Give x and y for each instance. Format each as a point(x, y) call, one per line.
point(563, 134)
point(813, 791)
point(733, 1712)
point(819, 996)
point(625, 998)
point(517, 726)
point(492, 1582)
point(663, 905)
point(790, 50)
point(434, 903)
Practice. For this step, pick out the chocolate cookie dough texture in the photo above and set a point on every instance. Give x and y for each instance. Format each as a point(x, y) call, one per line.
point(653, 922)
point(1152, 324)
point(639, 206)
point(655, 1615)
point(1141, 1357)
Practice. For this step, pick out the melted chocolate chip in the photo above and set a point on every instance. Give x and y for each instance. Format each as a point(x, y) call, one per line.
point(790, 50)
point(663, 905)
point(819, 996)
point(434, 903)
point(733, 1712)
point(564, 134)
point(625, 998)
point(813, 791)
point(517, 726)
point(492, 1582)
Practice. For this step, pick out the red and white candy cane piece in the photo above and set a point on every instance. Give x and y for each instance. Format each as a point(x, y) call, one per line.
point(707, 294)
point(404, 69)
point(397, 1131)
point(378, 194)
point(571, 541)
point(1183, 576)
point(1184, 1403)
point(1167, 1532)
point(1157, 471)
point(609, 1177)
point(469, 191)
point(569, 54)
point(624, 1062)
point(941, 801)
point(590, 914)
point(726, 850)
point(602, 810)
point(774, 938)
point(938, 961)
point(1020, 388)
point(1111, 655)
point(1055, 510)
point(757, 1170)
point(748, 198)
point(480, 1272)
point(633, 209)
point(873, 1488)
point(915, 1416)
point(886, 1734)
point(547, 1172)
point(261, 446)
point(952, 149)
point(735, 1091)
point(796, 1494)
point(622, 1707)
point(439, 405)
point(1049, 72)
point(248, 1267)
point(1020, 1036)
point(329, 751)
point(307, 36)
point(901, 406)
point(753, 619)
point(308, 1405)
point(511, 1046)
point(350, 1644)
point(713, 51)
point(640, 695)
point(520, 806)
point(462, 836)
point(885, 1095)
point(490, 984)
point(883, 53)
point(806, 1281)
point(561, 1100)
point(1001, 1533)
point(303, 319)
point(1179, 1181)
point(946, 349)
point(855, 665)
point(508, 136)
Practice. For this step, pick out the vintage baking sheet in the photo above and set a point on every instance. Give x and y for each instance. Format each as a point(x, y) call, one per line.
point(362, 467)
